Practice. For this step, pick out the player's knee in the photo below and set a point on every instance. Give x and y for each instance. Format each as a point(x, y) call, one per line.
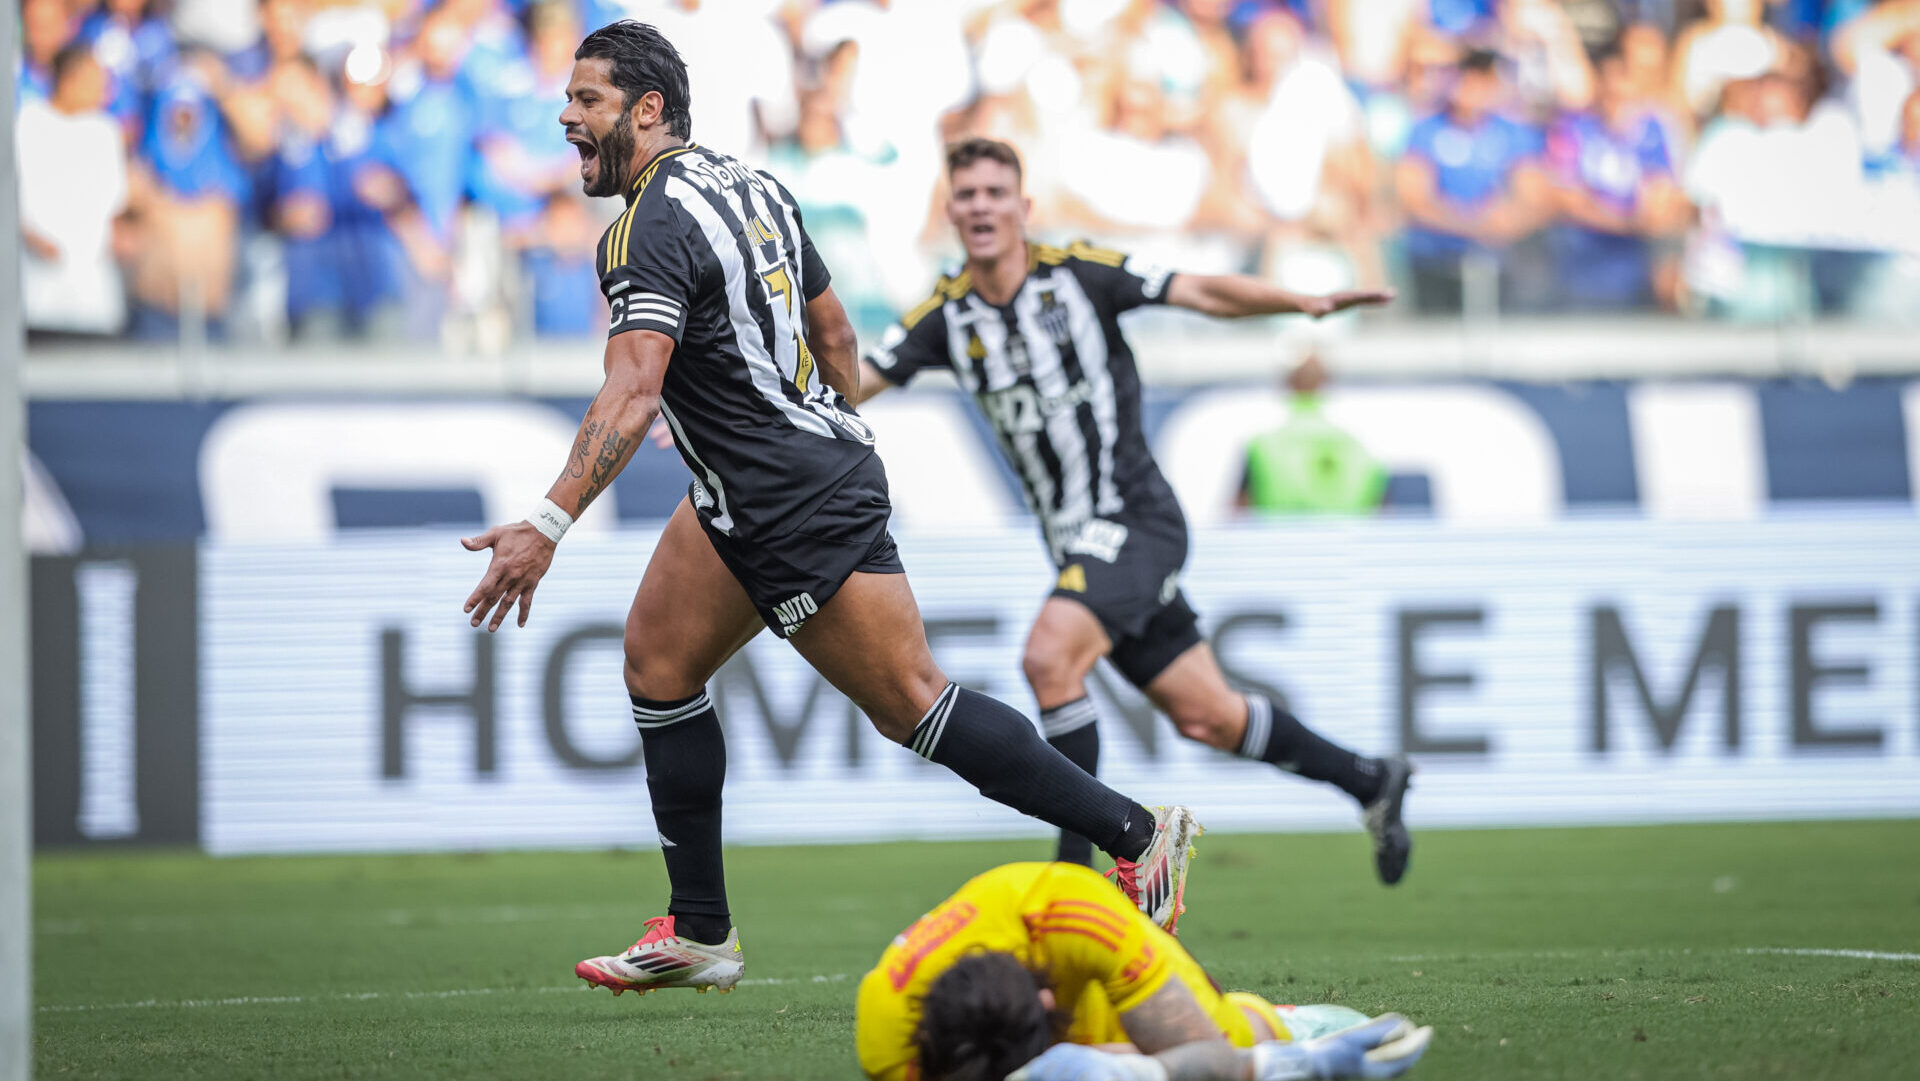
point(894, 726)
point(895, 719)
point(1205, 723)
point(1053, 673)
point(897, 709)
point(656, 677)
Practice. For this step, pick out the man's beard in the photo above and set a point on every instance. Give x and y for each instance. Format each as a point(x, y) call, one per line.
point(615, 153)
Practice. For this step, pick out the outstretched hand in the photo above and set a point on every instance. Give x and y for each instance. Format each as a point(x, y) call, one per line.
point(1386, 1046)
point(1339, 302)
point(521, 555)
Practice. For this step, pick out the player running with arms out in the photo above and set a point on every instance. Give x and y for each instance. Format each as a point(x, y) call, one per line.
point(724, 323)
point(1032, 956)
point(1032, 332)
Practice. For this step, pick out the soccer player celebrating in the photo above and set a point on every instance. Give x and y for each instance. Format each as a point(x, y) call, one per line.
point(724, 323)
point(1033, 333)
point(1037, 955)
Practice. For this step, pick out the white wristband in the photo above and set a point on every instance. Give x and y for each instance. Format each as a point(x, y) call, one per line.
point(550, 520)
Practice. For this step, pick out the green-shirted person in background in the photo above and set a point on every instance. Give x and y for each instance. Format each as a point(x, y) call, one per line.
point(1309, 465)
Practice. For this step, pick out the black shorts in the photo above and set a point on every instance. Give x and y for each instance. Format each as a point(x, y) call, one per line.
point(1135, 594)
point(790, 577)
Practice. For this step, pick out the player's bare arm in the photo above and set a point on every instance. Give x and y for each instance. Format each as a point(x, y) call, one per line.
point(629, 399)
point(1171, 1026)
point(1383, 1047)
point(1237, 296)
point(835, 347)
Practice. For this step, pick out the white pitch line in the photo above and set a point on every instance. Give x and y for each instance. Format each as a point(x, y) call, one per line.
point(837, 977)
point(1864, 955)
point(392, 917)
point(1630, 951)
point(368, 996)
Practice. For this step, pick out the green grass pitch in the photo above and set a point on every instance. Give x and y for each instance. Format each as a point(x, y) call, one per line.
point(1662, 952)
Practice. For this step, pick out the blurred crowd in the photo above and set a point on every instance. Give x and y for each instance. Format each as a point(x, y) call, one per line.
point(313, 170)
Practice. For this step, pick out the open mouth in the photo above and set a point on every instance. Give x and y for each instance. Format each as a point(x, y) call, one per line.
point(589, 152)
point(980, 229)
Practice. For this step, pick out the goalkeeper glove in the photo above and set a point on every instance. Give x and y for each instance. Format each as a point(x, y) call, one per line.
point(1386, 1046)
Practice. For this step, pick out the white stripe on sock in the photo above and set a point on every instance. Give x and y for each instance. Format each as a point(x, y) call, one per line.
point(927, 732)
point(1071, 717)
point(1259, 727)
point(660, 718)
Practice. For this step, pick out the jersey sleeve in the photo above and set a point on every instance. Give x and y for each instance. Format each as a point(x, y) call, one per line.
point(650, 272)
point(915, 343)
point(813, 269)
point(1088, 930)
point(1122, 281)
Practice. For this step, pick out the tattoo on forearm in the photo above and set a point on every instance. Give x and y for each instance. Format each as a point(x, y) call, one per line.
point(613, 451)
point(583, 449)
point(1168, 1018)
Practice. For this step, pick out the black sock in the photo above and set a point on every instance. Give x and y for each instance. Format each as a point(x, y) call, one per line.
point(1276, 736)
point(1071, 731)
point(995, 749)
point(686, 765)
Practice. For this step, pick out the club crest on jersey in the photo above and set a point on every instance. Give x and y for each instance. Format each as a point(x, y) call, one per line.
point(793, 613)
point(1054, 318)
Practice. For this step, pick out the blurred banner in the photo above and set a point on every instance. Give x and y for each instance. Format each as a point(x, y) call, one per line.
point(328, 695)
point(302, 468)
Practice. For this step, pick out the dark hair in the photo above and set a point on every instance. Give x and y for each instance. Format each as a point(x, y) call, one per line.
point(980, 148)
point(1608, 51)
point(983, 1019)
point(1481, 60)
point(64, 61)
point(640, 58)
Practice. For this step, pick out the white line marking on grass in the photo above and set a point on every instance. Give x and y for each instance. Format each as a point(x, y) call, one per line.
point(367, 996)
point(1631, 951)
point(1865, 955)
point(392, 917)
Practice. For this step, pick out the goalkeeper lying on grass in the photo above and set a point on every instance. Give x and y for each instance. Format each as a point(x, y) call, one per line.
point(1045, 972)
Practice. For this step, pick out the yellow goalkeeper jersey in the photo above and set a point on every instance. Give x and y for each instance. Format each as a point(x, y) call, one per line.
point(1102, 955)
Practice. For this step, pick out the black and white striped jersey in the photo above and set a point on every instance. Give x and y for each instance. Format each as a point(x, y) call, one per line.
point(712, 254)
point(1055, 379)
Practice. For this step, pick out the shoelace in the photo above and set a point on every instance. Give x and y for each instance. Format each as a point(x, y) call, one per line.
point(1126, 875)
point(659, 927)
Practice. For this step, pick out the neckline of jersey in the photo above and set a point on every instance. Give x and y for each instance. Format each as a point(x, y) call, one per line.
point(640, 182)
point(1033, 265)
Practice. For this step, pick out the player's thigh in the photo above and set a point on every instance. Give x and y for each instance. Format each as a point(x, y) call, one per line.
point(1066, 641)
point(1194, 693)
point(868, 641)
point(688, 616)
